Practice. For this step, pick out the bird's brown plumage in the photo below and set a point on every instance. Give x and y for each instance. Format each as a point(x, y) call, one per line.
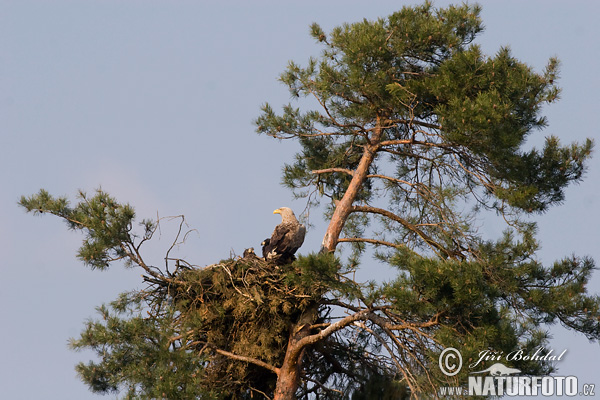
point(286, 238)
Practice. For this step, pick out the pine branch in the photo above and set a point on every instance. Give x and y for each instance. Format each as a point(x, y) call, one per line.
point(414, 122)
point(336, 326)
point(320, 385)
point(372, 241)
point(329, 170)
point(250, 360)
point(388, 214)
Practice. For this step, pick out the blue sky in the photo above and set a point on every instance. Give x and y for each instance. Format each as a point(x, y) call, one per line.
point(154, 100)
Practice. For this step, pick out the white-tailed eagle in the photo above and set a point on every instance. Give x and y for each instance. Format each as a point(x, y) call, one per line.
point(285, 240)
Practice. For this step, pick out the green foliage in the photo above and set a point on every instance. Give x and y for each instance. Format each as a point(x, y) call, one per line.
point(438, 131)
point(381, 387)
point(455, 122)
point(500, 301)
point(490, 105)
point(167, 341)
point(244, 307)
point(136, 354)
point(106, 223)
point(449, 127)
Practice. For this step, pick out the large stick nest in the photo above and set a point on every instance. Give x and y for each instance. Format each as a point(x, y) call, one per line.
point(245, 306)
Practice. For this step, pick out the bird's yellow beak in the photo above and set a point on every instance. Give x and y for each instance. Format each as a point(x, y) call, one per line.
point(278, 211)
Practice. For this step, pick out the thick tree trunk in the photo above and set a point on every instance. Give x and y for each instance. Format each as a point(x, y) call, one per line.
point(289, 373)
point(344, 206)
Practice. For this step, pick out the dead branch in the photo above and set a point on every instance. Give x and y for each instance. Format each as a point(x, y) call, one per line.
point(372, 241)
point(329, 170)
point(388, 214)
point(250, 360)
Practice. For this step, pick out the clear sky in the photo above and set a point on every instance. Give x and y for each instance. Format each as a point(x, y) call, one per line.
point(154, 101)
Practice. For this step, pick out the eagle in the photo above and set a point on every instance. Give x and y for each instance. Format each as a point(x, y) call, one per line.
point(285, 240)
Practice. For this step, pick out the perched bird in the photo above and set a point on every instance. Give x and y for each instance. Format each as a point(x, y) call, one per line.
point(285, 240)
point(249, 253)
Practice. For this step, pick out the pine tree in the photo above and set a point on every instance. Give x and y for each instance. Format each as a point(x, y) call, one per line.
point(414, 125)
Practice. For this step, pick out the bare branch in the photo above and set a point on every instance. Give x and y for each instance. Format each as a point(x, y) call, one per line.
point(319, 384)
point(418, 123)
point(381, 340)
point(372, 241)
point(135, 256)
point(250, 360)
point(260, 392)
point(329, 170)
point(336, 326)
point(432, 243)
point(309, 135)
point(388, 329)
point(399, 142)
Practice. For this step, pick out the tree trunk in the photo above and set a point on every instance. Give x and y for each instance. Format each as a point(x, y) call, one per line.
point(289, 373)
point(344, 206)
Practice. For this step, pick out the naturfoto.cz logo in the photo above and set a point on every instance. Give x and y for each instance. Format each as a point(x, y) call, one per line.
point(502, 380)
